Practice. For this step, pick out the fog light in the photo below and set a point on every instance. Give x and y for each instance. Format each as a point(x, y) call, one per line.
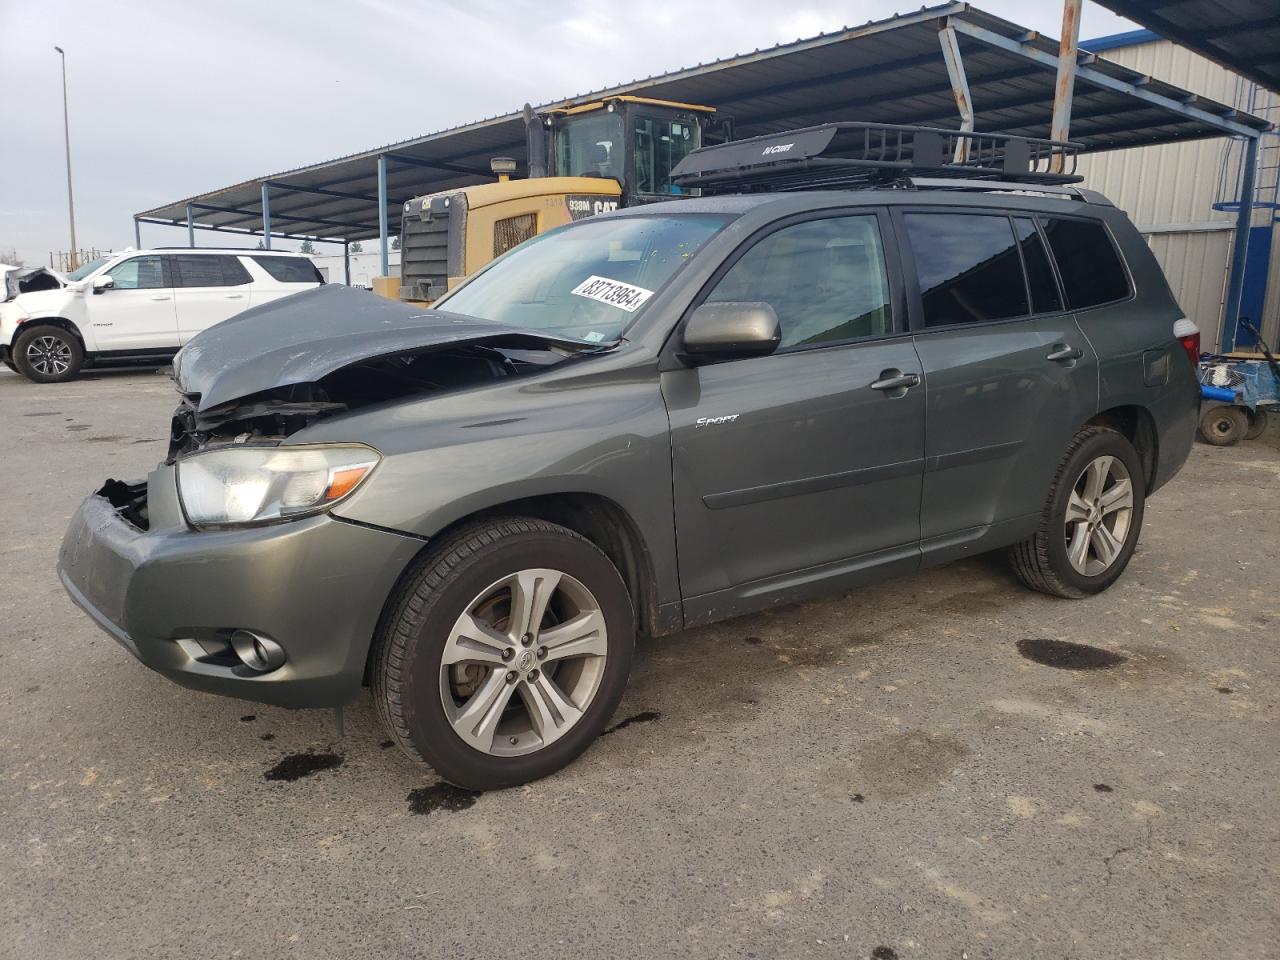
point(256, 651)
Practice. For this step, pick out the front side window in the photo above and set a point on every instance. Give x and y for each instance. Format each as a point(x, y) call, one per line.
point(591, 146)
point(1088, 263)
point(825, 279)
point(587, 281)
point(968, 267)
point(138, 273)
point(660, 145)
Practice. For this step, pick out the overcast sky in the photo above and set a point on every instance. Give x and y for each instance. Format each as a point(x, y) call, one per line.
point(178, 98)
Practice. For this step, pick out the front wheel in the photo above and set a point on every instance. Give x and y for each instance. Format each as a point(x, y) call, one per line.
point(45, 354)
point(506, 652)
point(1091, 520)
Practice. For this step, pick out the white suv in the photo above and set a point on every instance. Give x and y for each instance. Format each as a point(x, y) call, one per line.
point(141, 306)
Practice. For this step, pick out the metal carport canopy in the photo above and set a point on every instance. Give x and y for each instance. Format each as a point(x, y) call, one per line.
point(890, 71)
point(1242, 35)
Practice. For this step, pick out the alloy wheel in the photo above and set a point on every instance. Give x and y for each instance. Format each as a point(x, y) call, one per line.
point(523, 662)
point(1099, 514)
point(49, 355)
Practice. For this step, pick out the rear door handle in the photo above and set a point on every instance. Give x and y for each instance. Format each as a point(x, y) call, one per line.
point(896, 381)
point(234, 296)
point(159, 296)
point(1063, 352)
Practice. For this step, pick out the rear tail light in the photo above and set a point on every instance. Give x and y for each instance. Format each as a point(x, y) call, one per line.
point(1188, 334)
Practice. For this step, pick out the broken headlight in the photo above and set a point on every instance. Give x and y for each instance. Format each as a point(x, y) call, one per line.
point(241, 485)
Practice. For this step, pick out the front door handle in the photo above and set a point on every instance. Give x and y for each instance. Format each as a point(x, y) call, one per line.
point(1063, 352)
point(159, 296)
point(234, 296)
point(895, 382)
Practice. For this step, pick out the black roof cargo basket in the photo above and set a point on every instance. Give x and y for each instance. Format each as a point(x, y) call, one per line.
point(850, 154)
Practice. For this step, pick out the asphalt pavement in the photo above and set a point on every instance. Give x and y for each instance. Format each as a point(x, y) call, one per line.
point(920, 769)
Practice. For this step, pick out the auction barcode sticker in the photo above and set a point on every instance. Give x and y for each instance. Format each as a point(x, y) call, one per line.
point(613, 292)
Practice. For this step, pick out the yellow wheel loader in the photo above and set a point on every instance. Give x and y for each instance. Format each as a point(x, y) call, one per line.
point(583, 159)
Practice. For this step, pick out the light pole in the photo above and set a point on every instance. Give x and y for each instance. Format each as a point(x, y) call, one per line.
point(66, 133)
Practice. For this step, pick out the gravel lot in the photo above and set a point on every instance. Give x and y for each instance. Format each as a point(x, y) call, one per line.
point(889, 773)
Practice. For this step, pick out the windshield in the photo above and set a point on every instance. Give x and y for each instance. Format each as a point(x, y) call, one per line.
point(590, 146)
point(660, 145)
point(586, 281)
point(87, 269)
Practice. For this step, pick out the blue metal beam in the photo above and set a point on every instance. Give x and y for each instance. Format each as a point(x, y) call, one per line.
point(319, 191)
point(1090, 75)
point(382, 215)
point(239, 231)
point(254, 215)
point(266, 217)
point(433, 164)
point(1240, 247)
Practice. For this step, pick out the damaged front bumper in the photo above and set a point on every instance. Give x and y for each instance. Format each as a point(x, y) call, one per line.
point(175, 597)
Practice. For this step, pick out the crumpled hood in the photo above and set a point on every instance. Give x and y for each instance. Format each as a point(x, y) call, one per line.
point(304, 337)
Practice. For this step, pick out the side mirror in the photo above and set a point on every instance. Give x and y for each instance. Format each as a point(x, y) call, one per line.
point(103, 283)
point(721, 331)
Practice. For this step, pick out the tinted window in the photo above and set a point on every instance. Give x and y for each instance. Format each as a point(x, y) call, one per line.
point(208, 270)
point(290, 269)
point(825, 279)
point(1088, 263)
point(1044, 288)
point(968, 267)
point(138, 273)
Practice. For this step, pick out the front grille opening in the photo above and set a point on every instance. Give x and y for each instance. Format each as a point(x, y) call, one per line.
point(129, 499)
point(513, 231)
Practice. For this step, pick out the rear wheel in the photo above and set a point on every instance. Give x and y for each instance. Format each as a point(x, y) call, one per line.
point(1257, 423)
point(1223, 426)
point(506, 653)
point(1091, 520)
point(46, 354)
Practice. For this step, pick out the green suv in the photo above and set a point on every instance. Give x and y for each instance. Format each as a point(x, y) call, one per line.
point(635, 424)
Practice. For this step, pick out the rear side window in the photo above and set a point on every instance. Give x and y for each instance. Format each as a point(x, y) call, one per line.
point(290, 269)
point(208, 270)
point(825, 279)
point(1088, 262)
point(968, 266)
point(1044, 289)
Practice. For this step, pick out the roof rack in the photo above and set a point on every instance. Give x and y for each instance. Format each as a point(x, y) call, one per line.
point(854, 154)
point(244, 250)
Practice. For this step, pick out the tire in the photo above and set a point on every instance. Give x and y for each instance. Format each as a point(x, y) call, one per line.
point(476, 572)
point(46, 354)
point(1257, 423)
point(1044, 561)
point(1224, 425)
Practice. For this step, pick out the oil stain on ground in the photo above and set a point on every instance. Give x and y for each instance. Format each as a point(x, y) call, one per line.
point(440, 796)
point(893, 766)
point(299, 765)
point(1064, 655)
point(647, 716)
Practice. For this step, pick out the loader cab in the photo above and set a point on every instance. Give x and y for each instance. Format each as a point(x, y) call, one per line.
point(633, 140)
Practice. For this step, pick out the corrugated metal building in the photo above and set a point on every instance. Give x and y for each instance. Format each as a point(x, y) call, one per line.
point(1177, 192)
